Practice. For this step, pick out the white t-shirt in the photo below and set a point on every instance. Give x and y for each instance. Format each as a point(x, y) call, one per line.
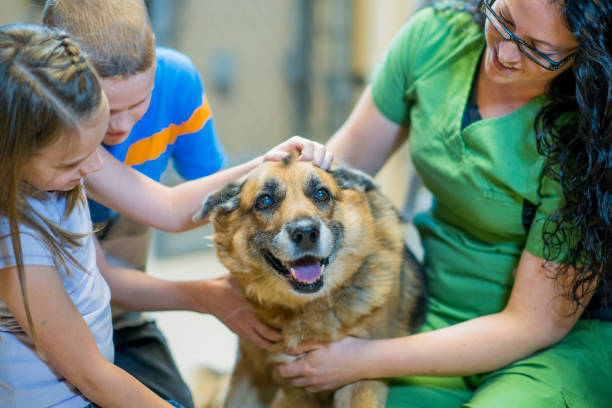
point(25, 380)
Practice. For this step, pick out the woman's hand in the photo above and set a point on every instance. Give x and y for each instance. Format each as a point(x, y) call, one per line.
point(326, 366)
point(309, 151)
point(224, 299)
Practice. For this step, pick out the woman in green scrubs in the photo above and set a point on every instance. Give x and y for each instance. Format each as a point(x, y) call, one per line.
point(509, 127)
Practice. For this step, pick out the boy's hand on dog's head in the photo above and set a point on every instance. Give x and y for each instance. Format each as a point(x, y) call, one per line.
point(308, 149)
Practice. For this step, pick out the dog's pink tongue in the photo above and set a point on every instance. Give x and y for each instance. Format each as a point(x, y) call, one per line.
point(306, 269)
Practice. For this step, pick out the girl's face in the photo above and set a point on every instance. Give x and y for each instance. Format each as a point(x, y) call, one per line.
point(128, 99)
point(61, 165)
point(540, 24)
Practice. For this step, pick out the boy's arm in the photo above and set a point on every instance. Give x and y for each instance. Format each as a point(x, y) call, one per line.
point(66, 341)
point(135, 195)
point(221, 297)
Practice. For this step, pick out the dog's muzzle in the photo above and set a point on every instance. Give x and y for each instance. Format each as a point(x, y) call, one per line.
point(306, 246)
point(304, 274)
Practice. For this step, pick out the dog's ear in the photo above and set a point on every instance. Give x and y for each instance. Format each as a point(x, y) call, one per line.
point(226, 199)
point(349, 178)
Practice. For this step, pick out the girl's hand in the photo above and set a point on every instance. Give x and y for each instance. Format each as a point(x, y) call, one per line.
point(309, 151)
point(226, 301)
point(326, 366)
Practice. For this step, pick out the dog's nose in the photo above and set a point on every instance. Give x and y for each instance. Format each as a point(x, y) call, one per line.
point(306, 236)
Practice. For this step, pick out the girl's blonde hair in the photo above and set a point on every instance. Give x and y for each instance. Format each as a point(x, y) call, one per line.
point(48, 89)
point(116, 35)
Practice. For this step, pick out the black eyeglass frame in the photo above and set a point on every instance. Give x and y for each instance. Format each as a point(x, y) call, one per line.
point(554, 65)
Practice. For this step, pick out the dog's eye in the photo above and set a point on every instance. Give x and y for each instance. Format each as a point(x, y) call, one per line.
point(263, 201)
point(321, 194)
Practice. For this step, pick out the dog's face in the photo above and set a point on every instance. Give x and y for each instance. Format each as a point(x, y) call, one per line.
point(291, 231)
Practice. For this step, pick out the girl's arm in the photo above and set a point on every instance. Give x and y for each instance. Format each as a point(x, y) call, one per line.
point(66, 341)
point(367, 138)
point(536, 317)
point(221, 297)
point(139, 197)
point(135, 195)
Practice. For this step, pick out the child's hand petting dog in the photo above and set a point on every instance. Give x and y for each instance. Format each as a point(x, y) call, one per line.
point(308, 149)
point(224, 300)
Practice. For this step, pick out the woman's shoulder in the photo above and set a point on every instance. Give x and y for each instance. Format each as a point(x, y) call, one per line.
point(436, 31)
point(434, 37)
point(445, 15)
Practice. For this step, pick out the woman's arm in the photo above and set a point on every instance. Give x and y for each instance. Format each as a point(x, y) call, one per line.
point(536, 317)
point(67, 342)
point(367, 138)
point(221, 297)
point(131, 193)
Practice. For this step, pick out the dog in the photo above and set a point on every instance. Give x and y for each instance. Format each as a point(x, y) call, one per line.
point(320, 256)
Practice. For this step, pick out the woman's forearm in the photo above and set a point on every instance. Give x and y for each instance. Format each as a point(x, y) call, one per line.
point(460, 349)
point(348, 142)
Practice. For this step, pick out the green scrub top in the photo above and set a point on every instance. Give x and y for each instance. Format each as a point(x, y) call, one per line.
point(480, 176)
point(473, 235)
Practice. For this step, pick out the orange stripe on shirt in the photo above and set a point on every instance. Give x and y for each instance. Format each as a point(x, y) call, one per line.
point(155, 145)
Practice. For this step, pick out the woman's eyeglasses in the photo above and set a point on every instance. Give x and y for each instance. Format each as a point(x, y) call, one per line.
point(530, 52)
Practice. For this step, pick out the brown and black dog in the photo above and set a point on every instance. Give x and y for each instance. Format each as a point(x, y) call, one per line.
point(320, 256)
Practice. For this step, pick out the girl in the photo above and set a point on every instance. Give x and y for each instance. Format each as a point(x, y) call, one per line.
point(55, 322)
point(54, 299)
point(509, 128)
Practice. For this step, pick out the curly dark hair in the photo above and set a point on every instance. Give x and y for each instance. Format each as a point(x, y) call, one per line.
point(574, 134)
point(578, 152)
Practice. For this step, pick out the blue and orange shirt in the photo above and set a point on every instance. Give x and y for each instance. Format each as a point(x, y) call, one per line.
point(177, 125)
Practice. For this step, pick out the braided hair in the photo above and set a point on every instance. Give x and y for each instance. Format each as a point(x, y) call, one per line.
point(48, 89)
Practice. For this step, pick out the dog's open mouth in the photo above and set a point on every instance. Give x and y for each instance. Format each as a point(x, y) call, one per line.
point(304, 274)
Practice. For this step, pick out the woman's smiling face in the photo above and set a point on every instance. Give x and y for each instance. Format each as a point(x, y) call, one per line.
point(540, 24)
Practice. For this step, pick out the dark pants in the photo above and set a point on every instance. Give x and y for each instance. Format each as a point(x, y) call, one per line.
point(143, 352)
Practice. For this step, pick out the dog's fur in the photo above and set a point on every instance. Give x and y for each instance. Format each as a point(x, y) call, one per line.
point(320, 256)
